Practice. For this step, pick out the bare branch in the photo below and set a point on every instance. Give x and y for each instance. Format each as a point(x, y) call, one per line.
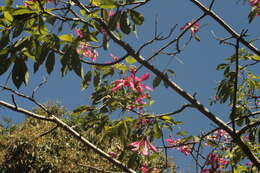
point(248, 126)
point(226, 26)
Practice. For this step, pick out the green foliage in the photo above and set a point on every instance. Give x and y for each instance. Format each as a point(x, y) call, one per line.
point(36, 146)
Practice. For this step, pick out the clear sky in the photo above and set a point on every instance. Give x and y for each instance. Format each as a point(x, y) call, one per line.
point(195, 72)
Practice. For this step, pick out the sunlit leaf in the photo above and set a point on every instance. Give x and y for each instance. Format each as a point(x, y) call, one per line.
point(130, 60)
point(66, 37)
point(137, 17)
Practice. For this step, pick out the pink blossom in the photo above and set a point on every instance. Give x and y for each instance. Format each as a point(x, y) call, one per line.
point(194, 28)
point(143, 147)
point(155, 170)
point(223, 161)
point(114, 57)
point(112, 154)
point(133, 82)
point(185, 149)
point(250, 164)
point(258, 103)
point(253, 2)
point(79, 33)
point(111, 13)
point(206, 170)
point(87, 51)
point(216, 136)
point(215, 98)
point(216, 161)
point(144, 168)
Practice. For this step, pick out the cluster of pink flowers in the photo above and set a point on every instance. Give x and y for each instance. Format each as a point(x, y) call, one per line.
point(216, 136)
point(87, 51)
point(185, 149)
point(143, 146)
point(216, 163)
point(135, 84)
point(194, 28)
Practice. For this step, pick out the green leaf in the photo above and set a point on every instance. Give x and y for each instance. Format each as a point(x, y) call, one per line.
point(124, 23)
point(18, 29)
point(4, 39)
point(66, 37)
point(82, 12)
point(130, 60)
point(41, 56)
point(19, 73)
point(82, 109)
point(156, 82)
point(137, 17)
point(252, 14)
point(104, 3)
point(170, 120)
point(50, 62)
point(8, 16)
point(22, 11)
point(255, 57)
point(182, 133)
point(96, 79)
point(221, 66)
point(4, 64)
point(76, 65)
point(86, 80)
point(156, 129)
point(121, 67)
point(9, 3)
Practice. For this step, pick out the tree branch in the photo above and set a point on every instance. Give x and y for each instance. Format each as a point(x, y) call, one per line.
point(226, 26)
point(70, 130)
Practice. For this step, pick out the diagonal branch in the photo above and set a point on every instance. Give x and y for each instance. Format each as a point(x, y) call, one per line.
point(70, 130)
point(226, 26)
point(248, 126)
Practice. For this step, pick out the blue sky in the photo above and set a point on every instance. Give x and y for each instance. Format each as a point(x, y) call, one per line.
point(196, 73)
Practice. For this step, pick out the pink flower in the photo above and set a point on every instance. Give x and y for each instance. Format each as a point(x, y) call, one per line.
point(144, 168)
point(216, 136)
point(223, 161)
point(215, 98)
point(133, 82)
point(185, 149)
point(253, 2)
point(114, 57)
point(143, 146)
point(112, 154)
point(155, 170)
point(79, 33)
point(194, 28)
point(206, 170)
point(87, 51)
point(250, 164)
point(216, 161)
point(111, 13)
